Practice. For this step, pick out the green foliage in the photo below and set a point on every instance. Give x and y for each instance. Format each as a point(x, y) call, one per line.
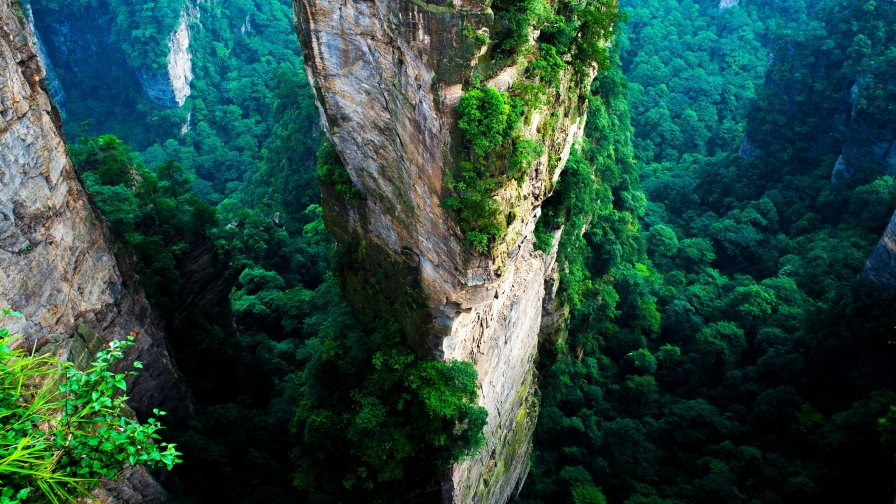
point(548, 65)
point(525, 152)
point(577, 31)
point(152, 211)
point(740, 361)
point(662, 240)
point(485, 118)
point(691, 81)
point(374, 422)
point(63, 428)
point(480, 38)
point(331, 171)
point(807, 420)
point(521, 19)
point(543, 241)
point(643, 361)
point(588, 495)
point(489, 119)
point(478, 212)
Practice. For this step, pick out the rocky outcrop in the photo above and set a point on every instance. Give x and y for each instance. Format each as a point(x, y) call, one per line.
point(56, 259)
point(134, 485)
point(748, 149)
point(388, 76)
point(881, 266)
point(870, 141)
point(205, 280)
point(169, 86)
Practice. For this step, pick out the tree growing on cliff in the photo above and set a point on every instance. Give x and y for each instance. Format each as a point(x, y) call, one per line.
point(375, 423)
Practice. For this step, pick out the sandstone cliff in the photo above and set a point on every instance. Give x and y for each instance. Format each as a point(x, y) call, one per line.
point(56, 259)
point(388, 76)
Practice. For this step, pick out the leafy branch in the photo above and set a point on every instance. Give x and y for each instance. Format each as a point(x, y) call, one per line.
point(60, 440)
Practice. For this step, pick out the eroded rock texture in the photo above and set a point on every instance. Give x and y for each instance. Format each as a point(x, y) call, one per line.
point(388, 75)
point(56, 262)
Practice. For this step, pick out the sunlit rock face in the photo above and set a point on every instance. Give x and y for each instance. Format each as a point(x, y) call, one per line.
point(387, 76)
point(727, 4)
point(57, 266)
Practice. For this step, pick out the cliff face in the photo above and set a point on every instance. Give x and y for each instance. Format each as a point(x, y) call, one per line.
point(388, 76)
point(56, 263)
point(54, 86)
point(80, 42)
point(170, 86)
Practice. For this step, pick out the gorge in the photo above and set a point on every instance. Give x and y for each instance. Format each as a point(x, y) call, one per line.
point(465, 251)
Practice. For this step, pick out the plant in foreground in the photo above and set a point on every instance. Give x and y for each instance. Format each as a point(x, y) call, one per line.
point(62, 429)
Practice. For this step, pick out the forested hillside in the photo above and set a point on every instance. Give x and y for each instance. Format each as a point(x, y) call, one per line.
point(735, 355)
point(735, 173)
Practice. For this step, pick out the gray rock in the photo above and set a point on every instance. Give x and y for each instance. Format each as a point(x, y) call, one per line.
point(841, 170)
point(170, 86)
point(727, 4)
point(748, 149)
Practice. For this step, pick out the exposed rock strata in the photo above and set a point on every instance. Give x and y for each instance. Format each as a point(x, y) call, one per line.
point(388, 75)
point(56, 261)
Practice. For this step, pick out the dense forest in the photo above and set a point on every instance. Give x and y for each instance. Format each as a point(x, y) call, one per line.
point(743, 360)
point(721, 346)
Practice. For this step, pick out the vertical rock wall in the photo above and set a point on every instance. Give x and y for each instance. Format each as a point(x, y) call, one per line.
point(170, 86)
point(57, 266)
point(54, 86)
point(388, 75)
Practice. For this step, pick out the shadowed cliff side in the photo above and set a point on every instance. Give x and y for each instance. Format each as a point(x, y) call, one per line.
point(388, 77)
